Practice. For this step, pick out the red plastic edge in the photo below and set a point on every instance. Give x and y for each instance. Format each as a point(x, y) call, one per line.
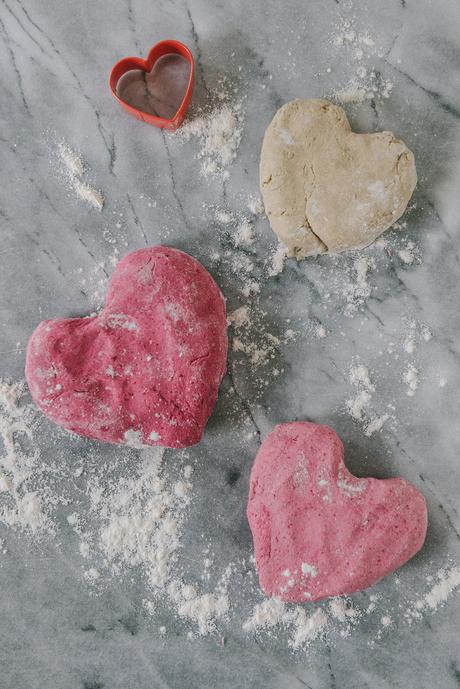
point(167, 47)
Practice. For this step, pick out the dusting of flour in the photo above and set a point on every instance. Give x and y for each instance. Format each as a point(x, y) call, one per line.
point(219, 135)
point(359, 407)
point(358, 48)
point(74, 169)
point(22, 503)
point(136, 521)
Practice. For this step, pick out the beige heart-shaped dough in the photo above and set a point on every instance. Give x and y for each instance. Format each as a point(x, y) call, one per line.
point(326, 188)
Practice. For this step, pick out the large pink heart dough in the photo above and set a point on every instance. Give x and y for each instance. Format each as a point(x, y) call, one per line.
point(147, 369)
point(320, 531)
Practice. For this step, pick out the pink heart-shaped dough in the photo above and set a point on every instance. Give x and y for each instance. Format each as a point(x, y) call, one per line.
point(147, 369)
point(318, 530)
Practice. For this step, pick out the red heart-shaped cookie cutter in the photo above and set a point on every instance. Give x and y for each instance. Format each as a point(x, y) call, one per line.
point(129, 63)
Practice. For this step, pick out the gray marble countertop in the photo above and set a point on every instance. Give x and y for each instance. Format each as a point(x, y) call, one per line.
point(60, 629)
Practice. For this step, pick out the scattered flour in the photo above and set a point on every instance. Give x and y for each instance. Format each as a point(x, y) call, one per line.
point(136, 519)
point(366, 87)
point(219, 134)
point(359, 406)
point(255, 205)
point(320, 331)
point(75, 168)
point(367, 83)
point(245, 234)
point(415, 333)
point(304, 625)
point(448, 581)
point(265, 615)
point(425, 332)
point(240, 317)
point(273, 612)
point(359, 376)
point(72, 160)
point(140, 520)
point(91, 575)
point(342, 610)
point(203, 610)
point(356, 290)
point(412, 379)
point(250, 287)
point(242, 264)
point(356, 406)
point(363, 265)
point(254, 340)
point(307, 628)
point(409, 254)
point(278, 260)
point(317, 329)
point(308, 570)
point(410, 346)
point(141, 524)
point(376, 425)
point(22, 502)
point(89, 194)
point(341, 615)
point(225, 217)
point(351, 94)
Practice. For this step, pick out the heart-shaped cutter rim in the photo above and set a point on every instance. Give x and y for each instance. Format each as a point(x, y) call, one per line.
point(127, 64)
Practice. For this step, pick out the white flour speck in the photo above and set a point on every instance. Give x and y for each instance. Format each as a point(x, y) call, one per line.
point(277, 260)
point(89, 194)
point(412, 379)
point(72, 160)
point(75, 168)
point(219, 134)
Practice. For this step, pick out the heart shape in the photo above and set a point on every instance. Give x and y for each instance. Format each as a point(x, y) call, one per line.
point(318, 530)
point(326, 188)
point(128, 64)
point(147, 369)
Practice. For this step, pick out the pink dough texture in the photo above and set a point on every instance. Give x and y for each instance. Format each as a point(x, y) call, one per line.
point(318, 530)
point(147, 369)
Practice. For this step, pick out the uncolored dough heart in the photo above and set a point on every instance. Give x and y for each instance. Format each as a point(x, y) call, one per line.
point(147, 369)
point(326, 188)
point(318, 530)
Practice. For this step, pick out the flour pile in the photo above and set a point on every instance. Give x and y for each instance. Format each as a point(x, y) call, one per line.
point(75, 168)
point(340, 615)
point(448, 581)
point(278, 260)
point(137, 522)
point(22, 502)
point(219, 135)
point(133, 521)
point(359, 406)
point(303, 623)
point(304, 628)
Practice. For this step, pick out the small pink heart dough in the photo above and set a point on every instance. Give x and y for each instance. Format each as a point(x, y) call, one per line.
point(147, 369)
point(318, 530)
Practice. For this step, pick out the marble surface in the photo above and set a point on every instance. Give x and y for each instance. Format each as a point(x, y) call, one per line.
point(56, 631)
